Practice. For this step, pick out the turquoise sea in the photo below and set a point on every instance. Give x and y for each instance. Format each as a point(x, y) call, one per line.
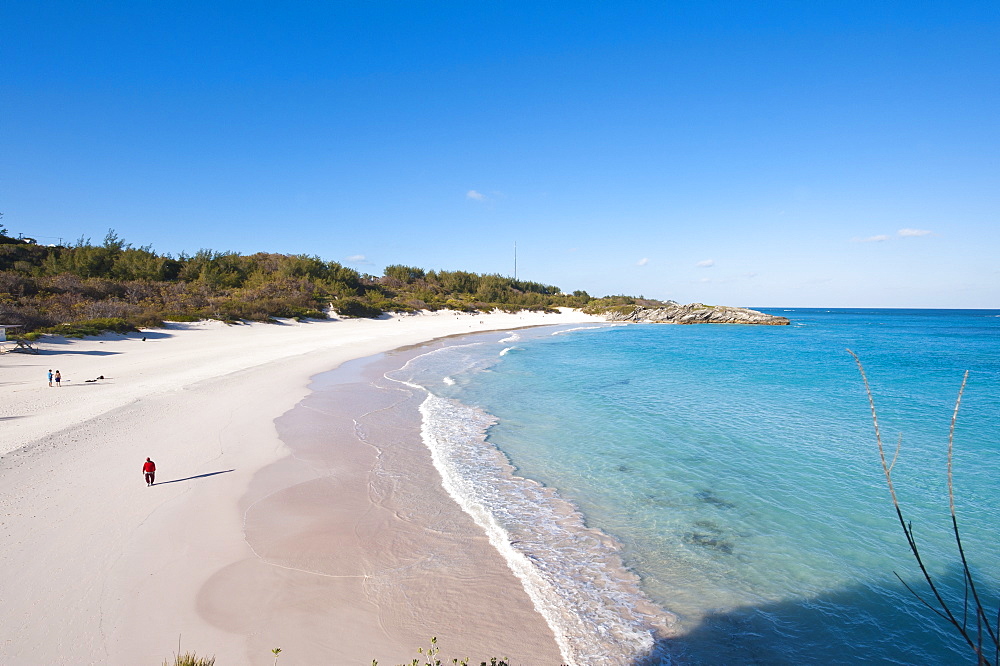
point(720, 485)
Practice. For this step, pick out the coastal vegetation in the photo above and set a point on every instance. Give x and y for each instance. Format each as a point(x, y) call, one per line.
point(83, 288)
point(190, 659)
point(430, 656)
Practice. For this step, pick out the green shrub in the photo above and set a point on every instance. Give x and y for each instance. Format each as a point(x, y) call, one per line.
point(109, 324)
point(147, 320)
point(177, 316)
point(307, 313)
point(80, 329)
point(404, 274)
point(352, 307)
point(395, 306)
point(596, 307)
point(453, 304)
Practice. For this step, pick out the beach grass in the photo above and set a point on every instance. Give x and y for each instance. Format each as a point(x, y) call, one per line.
point(189, 659)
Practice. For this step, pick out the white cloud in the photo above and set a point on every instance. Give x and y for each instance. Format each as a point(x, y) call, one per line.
point(902, 233)
point(706, 263)
point(642, 262)
point(356, 259)
point(475, 196)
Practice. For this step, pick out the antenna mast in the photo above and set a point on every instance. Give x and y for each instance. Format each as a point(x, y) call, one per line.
point(515, 261)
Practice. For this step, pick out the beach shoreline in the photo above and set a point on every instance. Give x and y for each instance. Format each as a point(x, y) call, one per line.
point(572, 571)
point(110, 571)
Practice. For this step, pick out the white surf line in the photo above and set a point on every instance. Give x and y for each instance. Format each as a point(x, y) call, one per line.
point(537, 589)
point(580, 328)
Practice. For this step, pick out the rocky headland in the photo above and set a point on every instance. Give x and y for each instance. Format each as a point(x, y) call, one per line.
point(695, 313)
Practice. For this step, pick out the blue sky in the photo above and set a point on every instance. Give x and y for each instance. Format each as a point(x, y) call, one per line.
point(828, 154)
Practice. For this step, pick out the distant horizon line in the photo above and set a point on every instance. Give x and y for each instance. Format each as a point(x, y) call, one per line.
point(865, 307)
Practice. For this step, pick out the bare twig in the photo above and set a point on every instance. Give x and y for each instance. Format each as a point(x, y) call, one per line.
point(886, 468)
point(951, 442)
point(895, 456)
point(984, 626)
point(981, 618)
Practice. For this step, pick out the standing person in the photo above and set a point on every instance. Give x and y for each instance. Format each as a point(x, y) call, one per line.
point(50, 376)
point(149, 470)
point(58, 377)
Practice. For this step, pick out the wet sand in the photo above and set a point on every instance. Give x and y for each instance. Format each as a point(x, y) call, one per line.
point(358, 516)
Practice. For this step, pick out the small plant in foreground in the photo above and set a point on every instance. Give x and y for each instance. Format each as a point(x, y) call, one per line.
point(190, 659)
point(276, 652)
point(429, 657)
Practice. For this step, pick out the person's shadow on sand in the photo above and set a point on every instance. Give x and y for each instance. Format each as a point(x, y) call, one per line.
point(189, 478)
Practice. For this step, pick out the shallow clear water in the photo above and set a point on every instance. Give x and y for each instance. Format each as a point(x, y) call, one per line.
point(733, 471)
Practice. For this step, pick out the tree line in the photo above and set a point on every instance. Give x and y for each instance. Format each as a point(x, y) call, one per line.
point(114, 285)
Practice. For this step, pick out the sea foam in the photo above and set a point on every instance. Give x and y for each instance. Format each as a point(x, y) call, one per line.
point(572, 573)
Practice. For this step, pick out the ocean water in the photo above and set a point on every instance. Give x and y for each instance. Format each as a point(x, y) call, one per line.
point(713, 494)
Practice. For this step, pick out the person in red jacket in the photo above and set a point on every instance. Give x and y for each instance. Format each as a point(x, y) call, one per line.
point(149, 469)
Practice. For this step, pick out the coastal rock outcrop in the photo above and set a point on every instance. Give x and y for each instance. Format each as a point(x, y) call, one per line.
point(696, 313)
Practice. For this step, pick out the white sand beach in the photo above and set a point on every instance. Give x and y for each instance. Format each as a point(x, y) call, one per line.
point(243, 544)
